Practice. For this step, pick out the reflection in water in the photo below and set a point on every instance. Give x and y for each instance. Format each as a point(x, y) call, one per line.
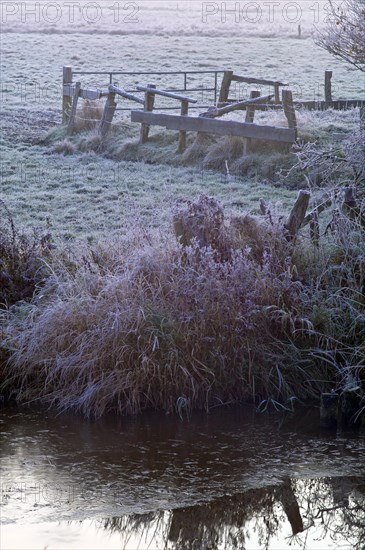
point(231, 479)
point(328, 510)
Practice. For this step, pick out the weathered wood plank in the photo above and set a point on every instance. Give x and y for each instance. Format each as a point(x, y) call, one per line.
point(85, 93)
point(240, 105)
point(211, 126)
point(263, 81)
point(165, 93)
point(124, 93)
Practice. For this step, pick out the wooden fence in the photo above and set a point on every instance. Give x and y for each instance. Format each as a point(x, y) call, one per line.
point(206, 121)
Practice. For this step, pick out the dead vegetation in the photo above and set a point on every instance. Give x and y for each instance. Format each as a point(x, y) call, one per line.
point(22, 260)
point(232, 311)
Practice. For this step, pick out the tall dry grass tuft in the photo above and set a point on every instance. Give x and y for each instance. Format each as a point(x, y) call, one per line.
point(22, 259)
point(195, 153)
point(229, 312)
point(228, 149)
point(88, 116)
point(155, 324)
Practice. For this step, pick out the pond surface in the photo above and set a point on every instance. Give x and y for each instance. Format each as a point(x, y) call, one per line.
point(230, 479)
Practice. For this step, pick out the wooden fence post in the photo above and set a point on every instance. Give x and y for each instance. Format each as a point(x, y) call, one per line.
point(108, 113)
point(250, 115)
point(289, 110)
point(250, 111)
point(182, 134)
point(226, 83)
point(327, 86)
point(66, 100)
point(277, 92)
point(71, 122)
point(149, 101)
point(297, 214)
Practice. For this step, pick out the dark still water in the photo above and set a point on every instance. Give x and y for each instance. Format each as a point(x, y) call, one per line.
point(230, 479)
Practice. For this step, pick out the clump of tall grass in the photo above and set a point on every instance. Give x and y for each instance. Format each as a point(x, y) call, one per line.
point(64, 147)
point(22, 260)
point(88, 116)
point(230, 311)
point(158, 323)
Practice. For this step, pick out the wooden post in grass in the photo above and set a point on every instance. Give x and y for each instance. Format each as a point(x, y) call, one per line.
point(149, 101)
point(250, 115)
point(66, 100)
point(182, 134)
point(277, 92)
point(327, 86)
point(226, 83)
point(250, 111)
point(108, 113)
point(71, 122)
point(297, 215)
point(289, 110)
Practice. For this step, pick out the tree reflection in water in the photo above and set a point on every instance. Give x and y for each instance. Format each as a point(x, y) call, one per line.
point(333, 507)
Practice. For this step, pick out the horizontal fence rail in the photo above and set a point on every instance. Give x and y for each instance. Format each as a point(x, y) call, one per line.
point(212, 126)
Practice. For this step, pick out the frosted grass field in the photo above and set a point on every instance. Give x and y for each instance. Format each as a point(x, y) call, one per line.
point(257, 39)
point(81, 194)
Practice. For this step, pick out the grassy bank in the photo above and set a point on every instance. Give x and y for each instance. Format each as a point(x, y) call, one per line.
point(146, 322)
point(105, 309)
